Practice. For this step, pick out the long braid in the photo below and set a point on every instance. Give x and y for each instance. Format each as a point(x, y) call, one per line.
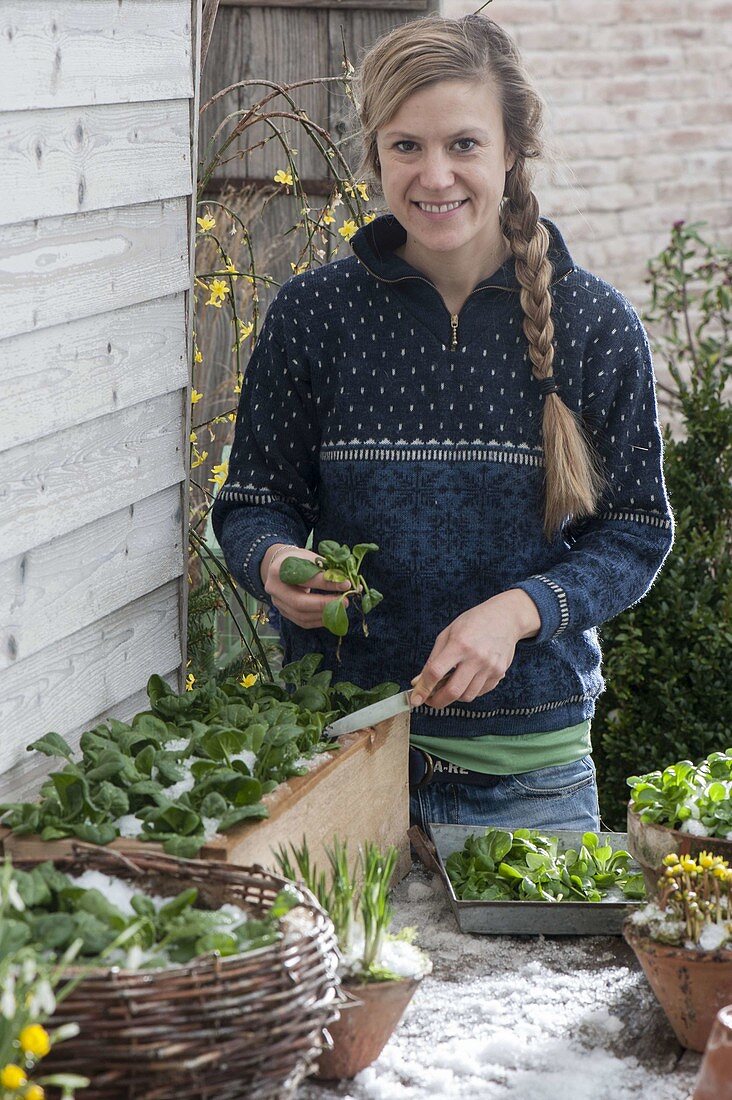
point(573, 481)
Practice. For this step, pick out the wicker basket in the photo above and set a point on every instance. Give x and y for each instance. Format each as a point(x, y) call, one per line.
point(244, 1026)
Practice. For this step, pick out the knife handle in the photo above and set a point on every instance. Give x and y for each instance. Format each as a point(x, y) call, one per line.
point(438, 685)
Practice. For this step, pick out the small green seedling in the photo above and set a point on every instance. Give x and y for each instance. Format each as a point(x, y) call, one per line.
point(337, 564)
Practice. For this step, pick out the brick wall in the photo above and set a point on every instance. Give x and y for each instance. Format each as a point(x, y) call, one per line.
point(639, 121)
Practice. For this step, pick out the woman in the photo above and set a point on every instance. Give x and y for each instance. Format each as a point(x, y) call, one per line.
point(461, 393)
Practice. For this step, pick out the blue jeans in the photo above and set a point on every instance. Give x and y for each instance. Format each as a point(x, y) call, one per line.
point(560, 797)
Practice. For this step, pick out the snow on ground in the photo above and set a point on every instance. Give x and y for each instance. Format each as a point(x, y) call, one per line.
point(520, 1018)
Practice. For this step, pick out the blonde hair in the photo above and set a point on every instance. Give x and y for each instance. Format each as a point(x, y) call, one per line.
point(474, 48)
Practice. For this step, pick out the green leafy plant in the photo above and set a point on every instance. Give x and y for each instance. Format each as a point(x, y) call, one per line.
point(696, 798)
point(195, 764)
point(357, 901)
point(667, 659)
point(524, 865)
point(58, 914)
point(338, 564)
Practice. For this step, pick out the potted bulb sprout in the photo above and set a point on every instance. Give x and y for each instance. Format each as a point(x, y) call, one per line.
point(686, 808)
point(379, 969)
point(683, 941)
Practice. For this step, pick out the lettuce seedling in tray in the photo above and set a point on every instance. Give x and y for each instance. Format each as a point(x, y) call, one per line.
point(116, 926)
point(193, 765)
point(524, 865)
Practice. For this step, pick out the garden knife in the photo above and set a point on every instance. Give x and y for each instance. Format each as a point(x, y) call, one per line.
point(377, 712)
point(370, 715)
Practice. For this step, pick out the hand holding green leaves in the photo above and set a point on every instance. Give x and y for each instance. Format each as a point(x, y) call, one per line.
point(338, 564)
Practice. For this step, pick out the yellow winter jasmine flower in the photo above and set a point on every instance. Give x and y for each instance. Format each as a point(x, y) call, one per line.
point(245, 330)
point(281, 176)
point(361, 187)
point(348, 229)
point(298, 268)
point(34, 1092)
point(231, 267)
point(197, 357)
point(220, 472)
point(328, 217)
point(219, 289)
point(248, 681)
point(193, 438)
point(231, 417)
point(190, 681)
point(198, 459)
point(195, 396)
point(239, 381)
point(12, 1076)
point(368, 218)
point(34, 1040)
point(206, 223)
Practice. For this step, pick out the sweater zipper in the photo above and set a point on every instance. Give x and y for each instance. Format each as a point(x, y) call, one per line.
point(454, 317)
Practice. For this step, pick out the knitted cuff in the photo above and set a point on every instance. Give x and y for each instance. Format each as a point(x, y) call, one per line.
point(551, 601)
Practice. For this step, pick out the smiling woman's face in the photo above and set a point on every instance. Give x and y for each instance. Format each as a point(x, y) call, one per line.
point(445, 147)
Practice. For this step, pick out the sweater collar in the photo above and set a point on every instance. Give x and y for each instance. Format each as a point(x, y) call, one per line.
point(374, 245)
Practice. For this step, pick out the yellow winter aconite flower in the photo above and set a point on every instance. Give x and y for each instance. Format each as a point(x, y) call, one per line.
point(706, 860)
point(688, 864)
point(348, 229)
point(206, 223)
point(34, 1040)
point(12, 1076)
point(198, 459)
point(190, 681)
point(34, 1092)
point(281, 176)
point(328, 217)
point(248, 681)
point(195, 396)
point(220, 473)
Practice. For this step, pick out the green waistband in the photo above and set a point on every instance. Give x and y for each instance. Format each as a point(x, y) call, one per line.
point(509, 755)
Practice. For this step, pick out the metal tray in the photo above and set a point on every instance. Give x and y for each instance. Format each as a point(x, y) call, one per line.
point(532, 918)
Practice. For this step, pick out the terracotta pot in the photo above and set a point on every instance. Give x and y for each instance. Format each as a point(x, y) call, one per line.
point(715, 1076)
point(365, 1026)
point(691, 986)
point(648, 844)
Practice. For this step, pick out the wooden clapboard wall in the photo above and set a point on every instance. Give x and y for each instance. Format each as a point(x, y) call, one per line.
point(285, 41)
point(98, 131)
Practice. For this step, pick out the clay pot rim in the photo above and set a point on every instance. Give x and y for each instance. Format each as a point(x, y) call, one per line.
point(676, 832)
point(353, 983)
point(634, 935)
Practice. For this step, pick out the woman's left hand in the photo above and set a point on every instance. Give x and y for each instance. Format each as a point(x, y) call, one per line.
point(478, 646)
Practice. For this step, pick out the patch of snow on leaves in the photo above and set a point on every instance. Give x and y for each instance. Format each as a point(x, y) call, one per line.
point(116, 890)
point(693, 827)
point(247, 756)
point(311, 762)
point(713, 936)
point(177, 745)
point(129, 825)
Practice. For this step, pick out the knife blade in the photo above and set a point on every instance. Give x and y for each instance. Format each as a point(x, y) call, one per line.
point(370, 715)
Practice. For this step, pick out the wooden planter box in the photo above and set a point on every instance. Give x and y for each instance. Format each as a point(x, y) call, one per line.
point(360, 793)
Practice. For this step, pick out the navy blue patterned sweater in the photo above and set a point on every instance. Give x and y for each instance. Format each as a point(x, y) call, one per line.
point(368, 415)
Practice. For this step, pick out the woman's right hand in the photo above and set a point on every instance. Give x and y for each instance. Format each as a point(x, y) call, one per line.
point(299, 603)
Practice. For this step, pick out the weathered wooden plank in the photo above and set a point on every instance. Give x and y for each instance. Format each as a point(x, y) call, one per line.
point(90, 158)
point(198, 56)
point(79, 265)
point(93, 51)
point(281, 45)
point(90, 367)
point(53, 590)
point(65, 686)
point(395, 6)
point(63, 481)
